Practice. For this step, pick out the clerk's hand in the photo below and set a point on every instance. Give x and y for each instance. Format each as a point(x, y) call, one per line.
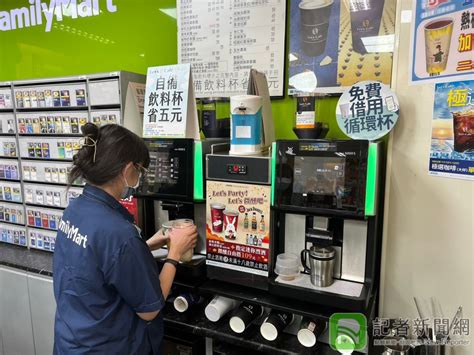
point(181, 240)
point(157, 241)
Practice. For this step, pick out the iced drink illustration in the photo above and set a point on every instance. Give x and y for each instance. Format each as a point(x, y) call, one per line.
point(463, 126)
point(437, 41)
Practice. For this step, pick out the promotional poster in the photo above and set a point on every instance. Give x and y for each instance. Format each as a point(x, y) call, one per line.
point(336, 43)
point(170, 107)
point(452, 135)
point(238, 226)
point(368, 110)
point(442, 39)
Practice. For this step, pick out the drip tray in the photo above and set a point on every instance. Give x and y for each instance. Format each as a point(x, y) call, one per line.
point(340, 287)
point(161, 254)
point(343, 295)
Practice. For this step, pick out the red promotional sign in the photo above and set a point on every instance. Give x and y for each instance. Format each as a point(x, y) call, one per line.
point(131, 205)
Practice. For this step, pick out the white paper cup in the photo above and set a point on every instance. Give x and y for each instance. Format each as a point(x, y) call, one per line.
point(306, 338)
point(269, 331)
point(181, 304)
point(237, 325)
point(218, 307)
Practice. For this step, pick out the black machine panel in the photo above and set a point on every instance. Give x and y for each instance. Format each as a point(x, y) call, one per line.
point(171, 169)
point(239, 169)
point(322, 175)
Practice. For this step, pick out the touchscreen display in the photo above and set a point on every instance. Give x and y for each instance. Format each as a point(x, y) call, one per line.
point(319, 176)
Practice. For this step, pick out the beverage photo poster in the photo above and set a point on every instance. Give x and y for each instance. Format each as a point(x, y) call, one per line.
point(337, 43)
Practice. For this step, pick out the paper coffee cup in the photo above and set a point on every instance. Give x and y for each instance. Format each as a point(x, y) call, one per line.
point(218, 307)
point(275, 323)
point(437, 42)
point(309, 332)
point(314, 25)
point(244, 316)
point(217, 217)
point(183, 302)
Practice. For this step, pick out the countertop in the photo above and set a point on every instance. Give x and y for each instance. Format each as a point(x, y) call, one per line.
point(193, 322)
point(32, 260)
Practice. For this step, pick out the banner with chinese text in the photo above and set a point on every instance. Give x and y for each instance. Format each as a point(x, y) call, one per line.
point(368, 110)
point(442, 41)
point(224, 39)
point(238, 226)
point(170, 107)
point(452, 135)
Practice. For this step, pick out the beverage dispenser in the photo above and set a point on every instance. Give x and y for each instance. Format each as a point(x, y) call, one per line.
point(174, 188)
point(327, 209)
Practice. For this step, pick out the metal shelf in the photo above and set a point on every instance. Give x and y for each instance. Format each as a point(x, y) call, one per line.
point(56, 108)
point(44, 206)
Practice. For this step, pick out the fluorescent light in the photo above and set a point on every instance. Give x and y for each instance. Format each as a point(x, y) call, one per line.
point(381, 44)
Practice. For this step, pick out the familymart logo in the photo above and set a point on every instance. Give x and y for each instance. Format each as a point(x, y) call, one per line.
point(37, 13)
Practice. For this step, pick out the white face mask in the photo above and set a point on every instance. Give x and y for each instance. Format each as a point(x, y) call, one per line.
point(130, 190)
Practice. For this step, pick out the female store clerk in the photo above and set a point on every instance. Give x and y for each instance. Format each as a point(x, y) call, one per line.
point(107, 286)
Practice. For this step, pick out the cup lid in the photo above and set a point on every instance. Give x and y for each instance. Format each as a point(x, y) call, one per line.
point(322, 252)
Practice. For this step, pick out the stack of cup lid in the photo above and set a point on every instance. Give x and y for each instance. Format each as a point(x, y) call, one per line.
point(287, 266)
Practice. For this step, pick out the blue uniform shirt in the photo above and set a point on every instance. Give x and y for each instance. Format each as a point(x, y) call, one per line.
point(104, 273)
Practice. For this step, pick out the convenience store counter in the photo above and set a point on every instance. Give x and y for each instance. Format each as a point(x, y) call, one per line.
point(31, 260)
point(192, 322)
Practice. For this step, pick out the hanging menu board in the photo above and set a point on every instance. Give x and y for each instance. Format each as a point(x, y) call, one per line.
point(224, 39)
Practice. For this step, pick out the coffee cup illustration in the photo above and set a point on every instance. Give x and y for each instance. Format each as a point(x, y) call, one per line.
point(437, 41)
point(314, 25)
point(217, 217)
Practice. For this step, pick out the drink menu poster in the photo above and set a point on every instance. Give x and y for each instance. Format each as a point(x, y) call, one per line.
point(238, 226)
point(336, 43)
point(224, 39)
point(452, 135)
point(442, 41)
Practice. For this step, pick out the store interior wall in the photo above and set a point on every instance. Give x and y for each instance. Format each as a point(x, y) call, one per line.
point(428, 243)
point(141, 34)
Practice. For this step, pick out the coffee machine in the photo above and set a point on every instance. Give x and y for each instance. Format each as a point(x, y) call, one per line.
point(174, 188)
point(328, 196)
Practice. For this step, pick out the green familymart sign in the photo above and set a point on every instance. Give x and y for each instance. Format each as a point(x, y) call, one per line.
point(44, 13)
